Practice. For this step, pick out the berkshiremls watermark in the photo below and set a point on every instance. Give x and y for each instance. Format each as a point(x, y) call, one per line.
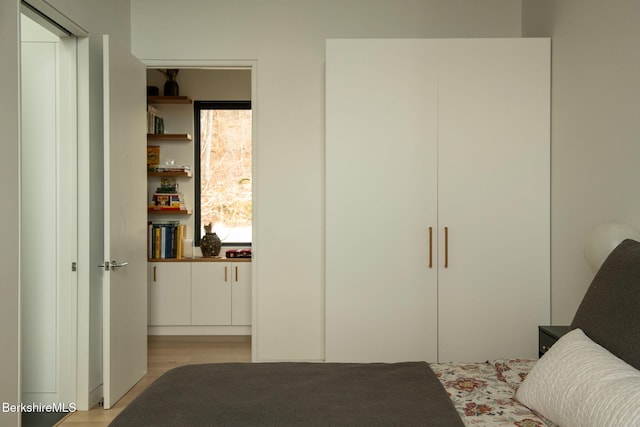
point(39, 407)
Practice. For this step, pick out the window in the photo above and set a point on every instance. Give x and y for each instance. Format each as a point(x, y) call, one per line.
point(223, 170)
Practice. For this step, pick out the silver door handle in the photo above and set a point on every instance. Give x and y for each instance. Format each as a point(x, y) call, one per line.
point(112, 265)
point(115, 265)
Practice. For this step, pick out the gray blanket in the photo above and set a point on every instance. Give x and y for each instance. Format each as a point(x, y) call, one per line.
point(293, 394)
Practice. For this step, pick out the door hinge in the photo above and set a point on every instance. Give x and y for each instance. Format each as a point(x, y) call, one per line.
point(74, 266)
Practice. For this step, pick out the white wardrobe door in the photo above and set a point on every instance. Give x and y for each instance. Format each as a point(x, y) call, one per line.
point(380, 200)
point(494, 165)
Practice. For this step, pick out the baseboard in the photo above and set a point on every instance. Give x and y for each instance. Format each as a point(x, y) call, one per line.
point(199, 330)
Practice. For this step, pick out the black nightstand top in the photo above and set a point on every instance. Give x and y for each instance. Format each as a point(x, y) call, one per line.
point(554, 331)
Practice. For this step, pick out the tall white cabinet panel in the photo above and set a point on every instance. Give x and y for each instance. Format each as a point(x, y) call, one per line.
point(447, 136)
point(493, 196)
point(381, 176)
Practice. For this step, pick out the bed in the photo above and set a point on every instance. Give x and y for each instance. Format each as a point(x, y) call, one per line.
point(590, 377)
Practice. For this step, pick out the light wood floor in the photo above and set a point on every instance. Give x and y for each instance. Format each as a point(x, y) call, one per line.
point(165, 353)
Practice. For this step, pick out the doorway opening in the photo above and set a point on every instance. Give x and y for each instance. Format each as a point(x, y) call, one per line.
point(209, 309)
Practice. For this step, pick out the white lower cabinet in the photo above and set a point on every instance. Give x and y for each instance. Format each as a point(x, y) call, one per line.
point(240, 293)
point(200, 294)
point(210, 294)
point(169, 293)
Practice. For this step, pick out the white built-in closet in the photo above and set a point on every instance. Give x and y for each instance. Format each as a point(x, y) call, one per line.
point(437, 198)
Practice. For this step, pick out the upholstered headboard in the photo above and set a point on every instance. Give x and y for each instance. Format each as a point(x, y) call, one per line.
point(610, 311)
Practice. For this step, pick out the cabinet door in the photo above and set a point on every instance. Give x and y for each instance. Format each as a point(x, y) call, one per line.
point(240, 293)
point(381, 177)
point(211, 293)
point(494, 178)
point(169, 293)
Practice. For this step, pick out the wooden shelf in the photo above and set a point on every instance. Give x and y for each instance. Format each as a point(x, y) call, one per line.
point(182, 137)
point(169, 100)
point(158, 139)
point(172, 173)
point(153, 211)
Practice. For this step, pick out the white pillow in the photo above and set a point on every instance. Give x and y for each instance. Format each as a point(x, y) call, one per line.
point(579, 383)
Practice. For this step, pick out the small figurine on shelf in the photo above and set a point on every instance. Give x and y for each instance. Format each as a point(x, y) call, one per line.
point(171, 87)
point(210, 243)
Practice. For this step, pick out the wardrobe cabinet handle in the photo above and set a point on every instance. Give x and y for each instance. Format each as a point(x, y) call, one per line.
point(446, 247)
point(236, 273)
point(154, 273)
point(430, 247)
point(225, 273)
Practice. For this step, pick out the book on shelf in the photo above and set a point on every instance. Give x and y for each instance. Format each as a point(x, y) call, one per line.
point(173, 168)
point(168, 189)
point(167, 197)
point(155, 123)
point(168, 185)
point(153, 157)
point(159, 125)
point(152, 113)
point(167, 201)
point(175, 207)
point(165, 239)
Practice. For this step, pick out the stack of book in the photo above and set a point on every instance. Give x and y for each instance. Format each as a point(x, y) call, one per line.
point(172, 168)
point(165, 239)
point(167, 197)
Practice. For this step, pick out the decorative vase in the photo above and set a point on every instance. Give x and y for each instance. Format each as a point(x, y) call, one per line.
point(171, 87)
point(210, 245)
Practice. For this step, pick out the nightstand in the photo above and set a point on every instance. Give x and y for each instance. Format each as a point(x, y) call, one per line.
point(548, 335)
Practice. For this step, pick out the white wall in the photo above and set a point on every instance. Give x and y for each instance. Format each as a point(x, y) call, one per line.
point(9, 217)
point(595, 129)
point(286, 38)
point(208, 84)
point(99, 17)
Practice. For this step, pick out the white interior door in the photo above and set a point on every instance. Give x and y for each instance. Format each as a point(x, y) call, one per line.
point(125, 278)
point(493, 197)
point(381, 184)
